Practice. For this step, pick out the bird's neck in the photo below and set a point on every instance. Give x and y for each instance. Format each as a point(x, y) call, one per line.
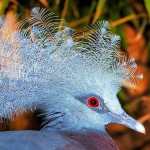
point(56, 121)
point(59, 127)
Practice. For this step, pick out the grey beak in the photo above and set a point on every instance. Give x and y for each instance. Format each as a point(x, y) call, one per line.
point(128, 121)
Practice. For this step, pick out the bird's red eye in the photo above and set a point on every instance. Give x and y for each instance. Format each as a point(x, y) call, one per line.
point(93, 102)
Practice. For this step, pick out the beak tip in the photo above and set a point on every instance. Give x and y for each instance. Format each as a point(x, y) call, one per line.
point(140, 128)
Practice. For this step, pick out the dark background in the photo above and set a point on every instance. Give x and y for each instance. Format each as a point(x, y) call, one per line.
point(128, 18)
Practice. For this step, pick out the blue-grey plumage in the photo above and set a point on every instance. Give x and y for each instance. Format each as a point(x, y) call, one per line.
point(45, 140)
point(74, 83)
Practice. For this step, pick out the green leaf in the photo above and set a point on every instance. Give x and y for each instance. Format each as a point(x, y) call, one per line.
point(3, 6)
point(147, 5)
point(99, 9)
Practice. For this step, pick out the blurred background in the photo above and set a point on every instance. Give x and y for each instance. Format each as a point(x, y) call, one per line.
point(128, 18)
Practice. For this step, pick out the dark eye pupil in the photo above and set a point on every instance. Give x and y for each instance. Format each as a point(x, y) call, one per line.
point(93, 102)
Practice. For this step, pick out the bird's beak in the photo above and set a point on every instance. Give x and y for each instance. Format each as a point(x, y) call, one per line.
point(128, 121)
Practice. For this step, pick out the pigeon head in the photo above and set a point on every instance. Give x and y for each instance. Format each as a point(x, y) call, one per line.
point(74, 82)
point(87, 99)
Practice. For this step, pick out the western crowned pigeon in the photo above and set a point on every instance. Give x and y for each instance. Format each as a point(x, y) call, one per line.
point(73, 82)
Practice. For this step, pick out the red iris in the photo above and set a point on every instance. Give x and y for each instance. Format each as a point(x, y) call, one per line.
point(93, 102)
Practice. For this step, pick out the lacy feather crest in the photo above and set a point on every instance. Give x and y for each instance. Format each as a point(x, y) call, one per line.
point(45, 58)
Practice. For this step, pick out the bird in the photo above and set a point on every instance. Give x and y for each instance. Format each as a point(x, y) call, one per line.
point(73, 82)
